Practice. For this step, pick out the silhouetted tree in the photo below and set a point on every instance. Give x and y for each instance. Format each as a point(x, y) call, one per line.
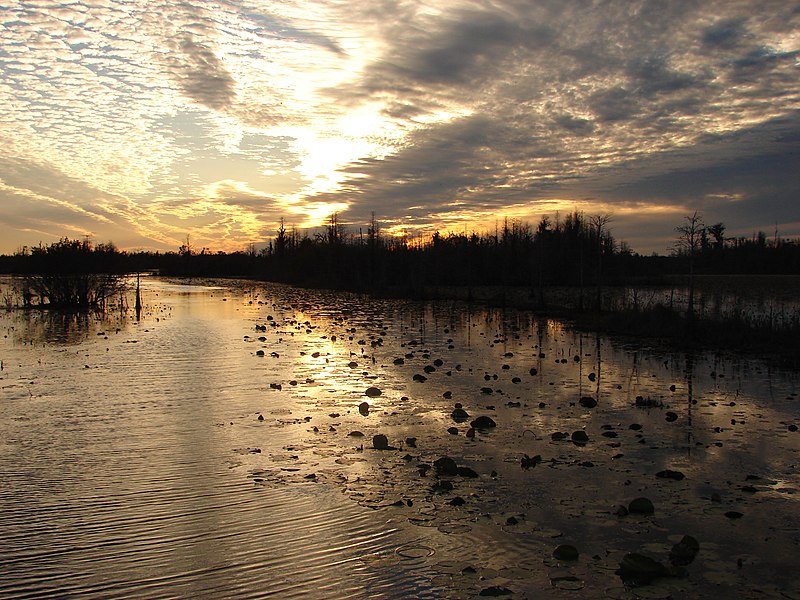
point(599, 223)
point(281, 240)
point(688, 244)
point(717, 231)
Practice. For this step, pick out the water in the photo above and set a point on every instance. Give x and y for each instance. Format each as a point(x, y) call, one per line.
point(169, 458)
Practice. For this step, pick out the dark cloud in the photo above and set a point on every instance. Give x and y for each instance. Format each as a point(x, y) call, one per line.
point(432, 171)
point(575, 125)
point(652, 75)
point(472, 41)
point(727, 34)
point(201, 74)
point(764, 58)
point(277, 28)
point(615, 104)
point(747, 179)
point(461, 48)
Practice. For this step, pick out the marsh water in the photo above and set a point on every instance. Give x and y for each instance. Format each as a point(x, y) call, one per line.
point(223, 446)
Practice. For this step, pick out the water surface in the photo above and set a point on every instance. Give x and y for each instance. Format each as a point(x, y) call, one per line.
point(211, 449)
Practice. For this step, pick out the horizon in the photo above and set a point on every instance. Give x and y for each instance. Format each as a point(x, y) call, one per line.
point(143, 127)
point(353, 231)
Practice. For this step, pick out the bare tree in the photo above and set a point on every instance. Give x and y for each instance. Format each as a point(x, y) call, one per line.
point(374, 232)
point(282, 239)
point(690, 236)
point(599, 223)
point(186, 248)
point(334, 230)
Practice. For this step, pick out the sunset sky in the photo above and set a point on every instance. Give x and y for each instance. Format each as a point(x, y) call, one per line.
point(144, 122)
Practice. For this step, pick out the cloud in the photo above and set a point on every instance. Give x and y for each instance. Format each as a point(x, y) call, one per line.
point(173, 115)
point(201, 74)
point(727, 34)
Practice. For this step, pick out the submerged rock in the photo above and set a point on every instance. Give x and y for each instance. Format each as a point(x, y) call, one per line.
point(466, 472)
point(580, 437)
point(483, 422)
point(565, 552)
point(685, 551)
point(459, 415)
point(495, 591)
point(588, 402)
point(446, 466)
point(380, 442)
point(441, 487)
point(363, 408)
point(670, 474)
point(373, 392)
point(638, 569)
point(641, 506)
point(527, 462)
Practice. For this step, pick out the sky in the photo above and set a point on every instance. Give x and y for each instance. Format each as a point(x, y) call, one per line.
point(144, 122)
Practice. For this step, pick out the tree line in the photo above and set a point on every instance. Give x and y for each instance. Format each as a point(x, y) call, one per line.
point(575, 250)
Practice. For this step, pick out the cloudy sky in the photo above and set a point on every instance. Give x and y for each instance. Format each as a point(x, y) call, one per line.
point(142, 122)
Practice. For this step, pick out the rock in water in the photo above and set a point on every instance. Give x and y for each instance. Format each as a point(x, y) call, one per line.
point(483, 422)
point(466, 472)
point(495, 591)
point(641, 506)
point(638, 569)
point(580, 437)
point(363, 408)
point(459, 415)
point(670, 474)
point(685, 551)
point(380, 442)
point(446, 466)
point(565, 552)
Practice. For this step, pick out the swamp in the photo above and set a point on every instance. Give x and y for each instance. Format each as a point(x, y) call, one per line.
point(246, 440)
